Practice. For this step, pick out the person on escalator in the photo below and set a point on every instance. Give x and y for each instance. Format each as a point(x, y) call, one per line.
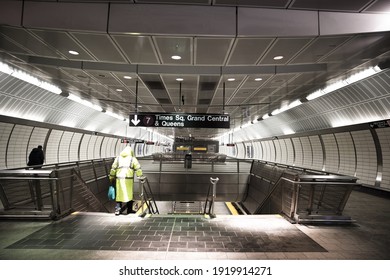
point(122, 176)
point(36, 158)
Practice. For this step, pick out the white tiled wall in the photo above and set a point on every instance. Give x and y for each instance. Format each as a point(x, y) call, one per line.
point(240, 150)
point(384, 139)
point(267, 150)
point(63, 152)
point(278, 151)
point(84, 146)
point(106, 147)
point(318, 154)
point(74, 147)
point(331, 153)
point(17, 141)
point(52, 147)
point(91, 147)
point(298, 152)
point(98, 147)
point(347, 153)
point(5, 131)
point(366, 169)
point(283, 150)
point(290, 150)
point(258, 150)
point(307, 152)
point(264, 149)
point(19, 138)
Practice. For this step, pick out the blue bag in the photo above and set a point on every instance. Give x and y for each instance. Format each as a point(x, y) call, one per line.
point(111, 193)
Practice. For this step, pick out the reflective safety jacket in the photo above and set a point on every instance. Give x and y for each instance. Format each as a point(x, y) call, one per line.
point(122, 170)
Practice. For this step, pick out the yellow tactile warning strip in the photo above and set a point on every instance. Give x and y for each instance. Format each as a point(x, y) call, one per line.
point(231, 208)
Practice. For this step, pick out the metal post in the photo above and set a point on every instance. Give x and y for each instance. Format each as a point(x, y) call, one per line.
point(213, 181)
point(38, 193)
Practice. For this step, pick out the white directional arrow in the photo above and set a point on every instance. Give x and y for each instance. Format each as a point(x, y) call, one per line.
point(135, 121)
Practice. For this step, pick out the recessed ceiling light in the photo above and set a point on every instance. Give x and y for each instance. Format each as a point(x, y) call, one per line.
point(73, 52)
point(118, 89)
point(258, 79)
point(179, 79)
point(231, 79)
point(127, 77)
point(279, 57)
point(176, 57)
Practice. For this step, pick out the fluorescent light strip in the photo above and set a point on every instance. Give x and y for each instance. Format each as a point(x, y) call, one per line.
point(114, 115)
point(21, 75)
point(84, 102)
point(353, 79)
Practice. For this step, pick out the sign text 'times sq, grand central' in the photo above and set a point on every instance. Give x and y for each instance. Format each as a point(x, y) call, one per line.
point(179, 120)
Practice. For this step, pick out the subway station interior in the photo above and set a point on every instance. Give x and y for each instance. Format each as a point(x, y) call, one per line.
point(262, 129)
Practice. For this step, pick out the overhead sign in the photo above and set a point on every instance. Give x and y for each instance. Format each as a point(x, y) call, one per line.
point(179, 120)
point(380, 124)
point(132, 141)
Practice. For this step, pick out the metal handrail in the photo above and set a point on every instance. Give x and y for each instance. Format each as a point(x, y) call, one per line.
point(210, 211)
point(313, 180)
point(58, 204)
point(147, 197)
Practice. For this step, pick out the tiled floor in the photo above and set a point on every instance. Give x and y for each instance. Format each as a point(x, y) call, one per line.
point(171, 233)
point(105, 236)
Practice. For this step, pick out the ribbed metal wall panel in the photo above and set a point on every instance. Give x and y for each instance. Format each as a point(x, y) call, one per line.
point(17, 156)
point(307, 152)
point(5, 132)
point(384, 138)
point(318, 153)
point(367, 163)
point(63, 151)
point(331, 153)
point(75, 147)
point(52, 146)
point(364, 101)
point(298, 152)
point(84, 146)
point(347, 154)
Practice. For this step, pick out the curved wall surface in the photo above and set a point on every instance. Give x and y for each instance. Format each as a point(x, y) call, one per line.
point(61, 144)
point(358, 150)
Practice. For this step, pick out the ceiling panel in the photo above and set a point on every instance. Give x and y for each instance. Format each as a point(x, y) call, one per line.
point(105, 78)
point(129, 81)
point(319, 48)
point(13, 48)
point(331, 5)
point(379, 6)
point(189, 81)
point(28, 41)
point(250, 81)
point(100, 46)
point(212, 51)
point(254, 3)
point(247, 51)
point(63, 43)
point(205, 62)
point(286, 47)
point(353, 47)
point(204, 2)
point(138, 49)
point(169, 46)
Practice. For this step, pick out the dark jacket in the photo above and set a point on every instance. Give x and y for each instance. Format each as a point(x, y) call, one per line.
point(36, 157)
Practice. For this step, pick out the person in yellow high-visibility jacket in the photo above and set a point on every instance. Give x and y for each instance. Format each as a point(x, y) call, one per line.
point(122, 174)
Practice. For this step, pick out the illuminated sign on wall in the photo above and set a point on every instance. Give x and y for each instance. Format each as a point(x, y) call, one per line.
point(179, 120)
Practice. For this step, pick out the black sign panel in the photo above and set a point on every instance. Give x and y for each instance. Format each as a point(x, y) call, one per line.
point(179, 120)
point(380, 124)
